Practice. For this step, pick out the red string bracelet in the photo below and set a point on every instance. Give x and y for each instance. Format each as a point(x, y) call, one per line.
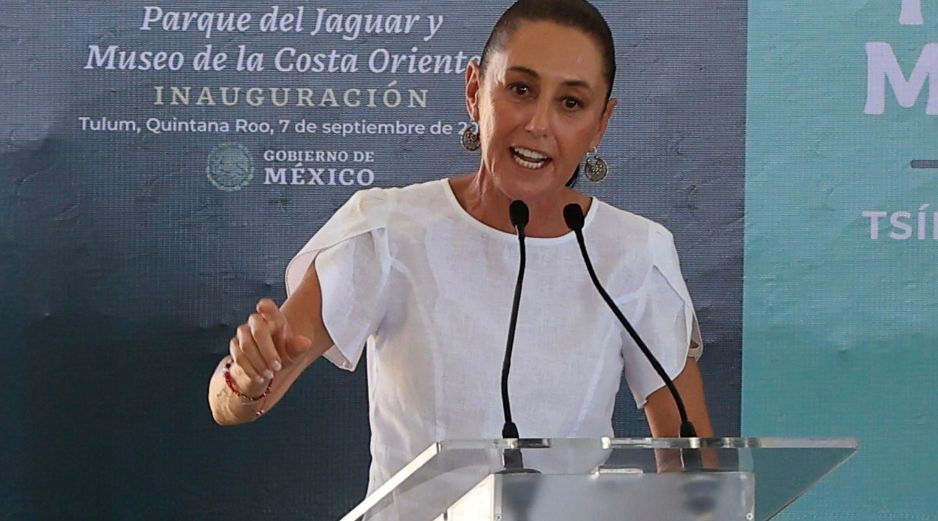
point(237, 390)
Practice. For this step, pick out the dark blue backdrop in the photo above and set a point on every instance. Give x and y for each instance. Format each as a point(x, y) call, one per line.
point(123, 269)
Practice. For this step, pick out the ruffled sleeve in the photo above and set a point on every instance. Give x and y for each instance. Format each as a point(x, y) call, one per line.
point(352, 259)
point(664, 318)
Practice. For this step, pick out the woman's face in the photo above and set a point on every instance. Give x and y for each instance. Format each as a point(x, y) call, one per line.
point(540, 106)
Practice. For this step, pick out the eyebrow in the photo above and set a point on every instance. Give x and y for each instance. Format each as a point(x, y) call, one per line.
point(532, 72)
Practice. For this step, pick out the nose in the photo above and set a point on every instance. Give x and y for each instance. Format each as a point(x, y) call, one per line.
point(539, 119)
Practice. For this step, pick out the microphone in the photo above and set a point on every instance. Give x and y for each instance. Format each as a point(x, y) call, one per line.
point(573, 215)
point(518, 213)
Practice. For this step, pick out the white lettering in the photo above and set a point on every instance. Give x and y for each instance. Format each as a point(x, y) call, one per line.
point(911, 13)
point(903, 225)
point(897, 219)
point(882, 64)
point(434, 27)
point(874, 216)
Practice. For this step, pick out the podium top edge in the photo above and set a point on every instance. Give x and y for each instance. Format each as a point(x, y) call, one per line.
point(654, 443)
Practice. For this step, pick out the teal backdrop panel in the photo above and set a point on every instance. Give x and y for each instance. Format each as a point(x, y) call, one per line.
point(840, 287)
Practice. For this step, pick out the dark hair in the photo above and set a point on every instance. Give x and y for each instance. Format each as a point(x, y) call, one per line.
point(578, 14)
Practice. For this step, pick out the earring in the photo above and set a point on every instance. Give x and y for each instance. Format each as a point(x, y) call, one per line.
point(470, 137)
point(596, 167)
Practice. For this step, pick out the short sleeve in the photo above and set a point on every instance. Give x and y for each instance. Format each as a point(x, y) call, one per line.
point(352, 259)
point(664, 318)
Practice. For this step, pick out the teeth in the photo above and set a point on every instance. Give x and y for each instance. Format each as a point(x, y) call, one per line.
point(529, 164)
point(531, 155)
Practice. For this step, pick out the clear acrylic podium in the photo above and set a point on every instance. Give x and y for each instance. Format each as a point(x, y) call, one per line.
point(622, 479)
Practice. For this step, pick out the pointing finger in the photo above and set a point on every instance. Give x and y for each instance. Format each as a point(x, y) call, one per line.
point(272, 313)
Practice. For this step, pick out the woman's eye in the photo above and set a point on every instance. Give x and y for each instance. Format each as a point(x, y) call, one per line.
point(519, 89)
point(572, 103)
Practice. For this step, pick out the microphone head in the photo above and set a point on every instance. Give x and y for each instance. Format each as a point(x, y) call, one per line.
point(573, 215)
point(518, 213)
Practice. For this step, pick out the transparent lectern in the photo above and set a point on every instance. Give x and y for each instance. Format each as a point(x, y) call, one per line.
point(604, 479)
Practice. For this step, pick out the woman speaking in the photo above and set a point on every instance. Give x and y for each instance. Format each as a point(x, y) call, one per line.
point(422, 276)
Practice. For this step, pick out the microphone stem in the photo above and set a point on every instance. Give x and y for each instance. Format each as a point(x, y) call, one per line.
point(510, 430)
point(687, 428)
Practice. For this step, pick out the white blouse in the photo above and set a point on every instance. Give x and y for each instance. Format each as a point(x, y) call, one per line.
point(428, 288)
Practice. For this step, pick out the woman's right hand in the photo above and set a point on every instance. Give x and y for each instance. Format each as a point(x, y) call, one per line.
point(263, 346)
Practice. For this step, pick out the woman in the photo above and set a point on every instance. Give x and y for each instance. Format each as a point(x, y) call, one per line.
point(423, 274)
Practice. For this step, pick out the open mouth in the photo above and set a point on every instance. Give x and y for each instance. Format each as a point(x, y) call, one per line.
point(530, 159)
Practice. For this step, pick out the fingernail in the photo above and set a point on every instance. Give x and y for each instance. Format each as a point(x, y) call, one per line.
point(259, 380)
point(268, 374)
point(277, 365)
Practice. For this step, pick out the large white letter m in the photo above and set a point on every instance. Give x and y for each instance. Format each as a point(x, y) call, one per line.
point(882, 64)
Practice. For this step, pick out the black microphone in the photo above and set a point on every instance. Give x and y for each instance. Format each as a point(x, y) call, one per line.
point(573, 215)
point(518, 213)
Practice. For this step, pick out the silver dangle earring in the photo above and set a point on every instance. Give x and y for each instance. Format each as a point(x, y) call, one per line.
point(470, 137)
point(596, 167)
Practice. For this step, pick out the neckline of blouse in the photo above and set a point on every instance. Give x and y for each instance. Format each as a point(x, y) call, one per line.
point(494, 232)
